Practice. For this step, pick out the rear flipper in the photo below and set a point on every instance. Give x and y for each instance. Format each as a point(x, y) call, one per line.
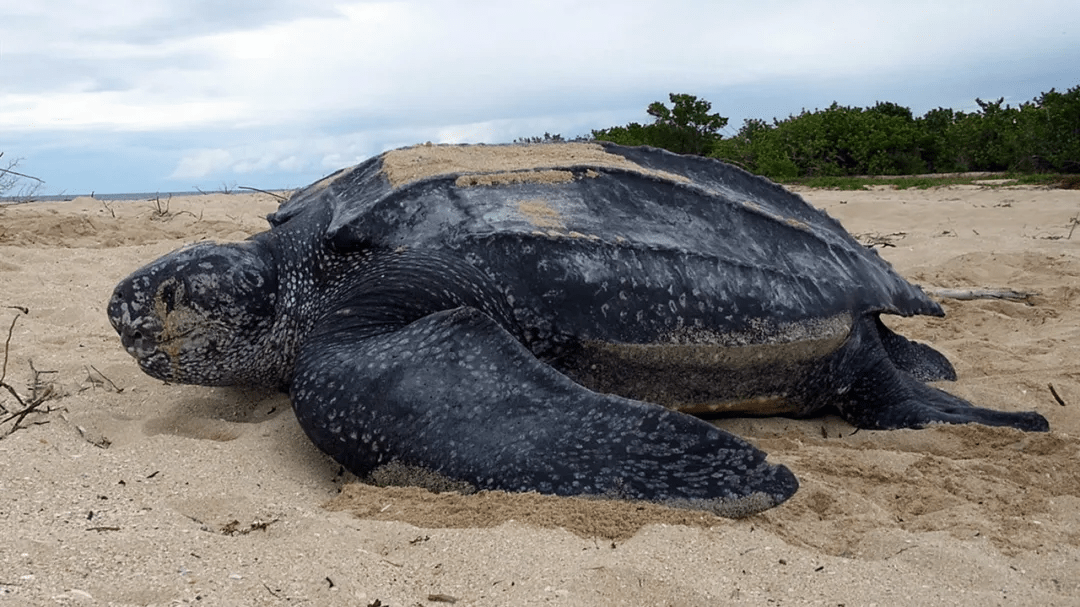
point(455, 394)
point(882, 397)
point(920, 360)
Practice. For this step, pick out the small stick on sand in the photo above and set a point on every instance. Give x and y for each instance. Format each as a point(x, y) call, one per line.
point(969, 294)
point(94, 381)
point(40, 392)
point(278, 196)
point(3, 366)
point(1057, 397)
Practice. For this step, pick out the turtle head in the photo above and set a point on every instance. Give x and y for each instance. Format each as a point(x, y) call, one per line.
point(200, 315)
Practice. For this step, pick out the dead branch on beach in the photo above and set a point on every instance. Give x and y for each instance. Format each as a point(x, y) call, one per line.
point(970, 294)
point(40, 391)
point(97, 379)
point(274, 194)
point(10, 178)
point(1055, 394)
point(1072, 223)
point(161, 208)
point(162, 212)
point(9, 171)
point(876, 239)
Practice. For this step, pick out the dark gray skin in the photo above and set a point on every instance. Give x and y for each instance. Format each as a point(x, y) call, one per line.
point(516, 333)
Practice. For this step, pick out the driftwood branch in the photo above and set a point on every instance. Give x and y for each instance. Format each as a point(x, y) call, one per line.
point(40, 391)
point(877, 239)
point(1057, 396)
point(7, 345)
point(8, 171)
point(18, 174)
point(275, 195)
point(969, 294)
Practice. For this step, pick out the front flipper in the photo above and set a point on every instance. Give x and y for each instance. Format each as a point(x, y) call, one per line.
point(456, 394)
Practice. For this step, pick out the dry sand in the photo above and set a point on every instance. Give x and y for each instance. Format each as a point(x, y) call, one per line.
point(131, 492)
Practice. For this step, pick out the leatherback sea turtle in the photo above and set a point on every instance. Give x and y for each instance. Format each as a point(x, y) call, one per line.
point(504, 317)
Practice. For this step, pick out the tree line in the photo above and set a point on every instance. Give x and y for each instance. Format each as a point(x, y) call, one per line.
point(1042, 135)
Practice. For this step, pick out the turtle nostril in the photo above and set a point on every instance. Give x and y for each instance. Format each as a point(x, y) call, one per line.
point(131, 339)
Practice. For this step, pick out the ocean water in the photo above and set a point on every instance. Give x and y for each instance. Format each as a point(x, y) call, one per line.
point(117, 197)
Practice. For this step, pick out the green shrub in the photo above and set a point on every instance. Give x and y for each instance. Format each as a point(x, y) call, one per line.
point(886, 139)
point(685, 128)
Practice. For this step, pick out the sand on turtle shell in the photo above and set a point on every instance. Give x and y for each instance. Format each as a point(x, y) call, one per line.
point(127, 491)
point(502, 164)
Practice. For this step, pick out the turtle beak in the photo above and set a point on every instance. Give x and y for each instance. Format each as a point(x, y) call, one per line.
point(137, 325)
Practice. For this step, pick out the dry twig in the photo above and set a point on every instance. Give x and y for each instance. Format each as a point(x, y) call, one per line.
point(8, 171)
point(875, 239)
point(162, 212)
point(969, 294)
point(3, 366)
point(100, 380)
point(40, 391)
point(1057, 397)
point(275, 195)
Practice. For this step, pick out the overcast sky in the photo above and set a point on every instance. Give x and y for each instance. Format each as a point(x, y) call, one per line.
point(170, 95)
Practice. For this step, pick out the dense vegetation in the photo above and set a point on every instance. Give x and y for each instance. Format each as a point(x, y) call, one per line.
point(1042, 135)
point(686, 128)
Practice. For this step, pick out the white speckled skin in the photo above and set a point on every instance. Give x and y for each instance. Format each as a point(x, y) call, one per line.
point(202, 303)
point(455, 393)
point(504, 331)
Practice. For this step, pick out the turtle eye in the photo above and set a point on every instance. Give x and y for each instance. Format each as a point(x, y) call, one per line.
point(168, 296)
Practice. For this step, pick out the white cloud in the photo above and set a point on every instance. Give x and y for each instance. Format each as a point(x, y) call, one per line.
point(112, 111)
point(324, 154)
point(311, 156)
point(202, 163)
point(291, 164)
point(447, 61)
point(306, 85)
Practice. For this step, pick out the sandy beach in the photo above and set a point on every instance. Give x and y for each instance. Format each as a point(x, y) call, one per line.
point(121, 490)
